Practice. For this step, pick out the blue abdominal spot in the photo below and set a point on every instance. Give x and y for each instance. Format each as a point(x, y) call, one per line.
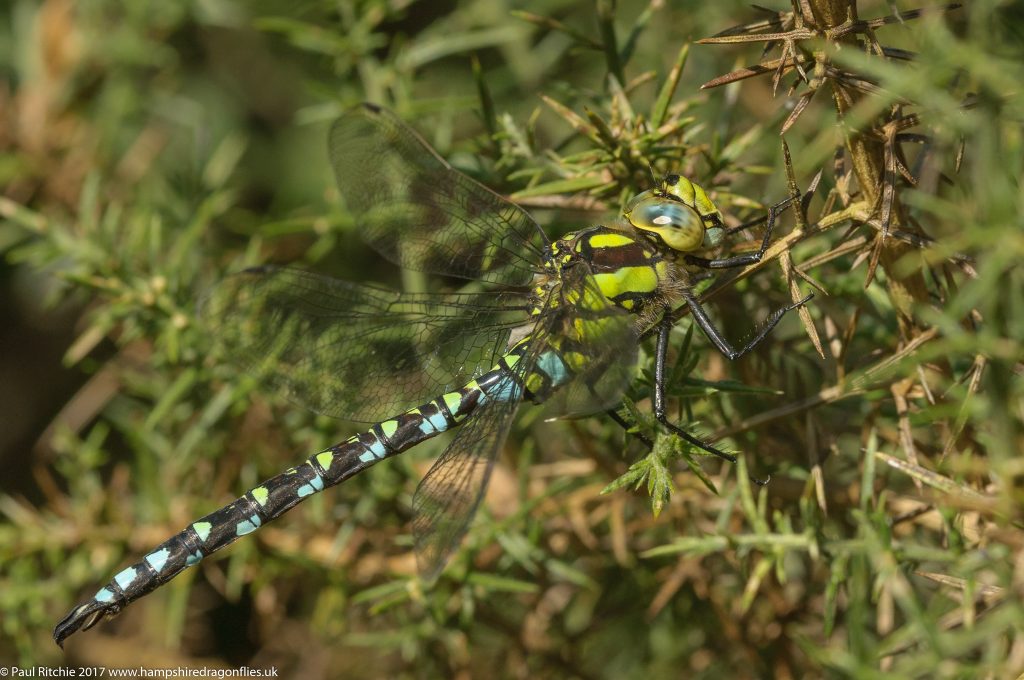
point(504, 390)
point(554, 367)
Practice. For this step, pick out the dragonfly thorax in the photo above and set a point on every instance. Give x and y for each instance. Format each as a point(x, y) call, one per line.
point(628, 270)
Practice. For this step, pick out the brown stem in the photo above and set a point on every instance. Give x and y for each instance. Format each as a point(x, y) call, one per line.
point(867, 155)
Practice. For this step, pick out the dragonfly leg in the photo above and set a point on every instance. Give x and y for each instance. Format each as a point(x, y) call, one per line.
point(659, 394)
point(659, 400)
point(749, 258)
point(715, 336)
point(626, 425)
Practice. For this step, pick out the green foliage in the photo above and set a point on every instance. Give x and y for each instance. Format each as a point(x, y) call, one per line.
point(147, 149)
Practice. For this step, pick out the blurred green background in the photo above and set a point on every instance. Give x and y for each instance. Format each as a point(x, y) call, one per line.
point(149, 148)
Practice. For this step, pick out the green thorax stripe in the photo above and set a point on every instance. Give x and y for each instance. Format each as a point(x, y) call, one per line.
point(624, 267)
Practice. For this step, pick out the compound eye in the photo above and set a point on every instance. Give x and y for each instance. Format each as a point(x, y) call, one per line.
point(677, 224)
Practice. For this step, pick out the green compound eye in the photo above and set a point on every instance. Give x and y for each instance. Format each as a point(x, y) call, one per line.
point(678, 225)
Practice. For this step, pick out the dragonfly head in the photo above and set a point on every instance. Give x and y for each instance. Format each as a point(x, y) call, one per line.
point(678, 214)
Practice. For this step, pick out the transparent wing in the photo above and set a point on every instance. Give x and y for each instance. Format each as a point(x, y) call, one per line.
point(448, 496)
point(596, 344)
point(421, 213)
point(596, 340)
point(354, 351)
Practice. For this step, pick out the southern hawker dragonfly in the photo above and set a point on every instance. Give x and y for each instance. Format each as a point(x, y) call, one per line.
point(544, 322)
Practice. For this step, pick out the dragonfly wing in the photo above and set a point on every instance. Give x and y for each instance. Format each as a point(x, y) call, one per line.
point(580, 336)
point(421, 213)
point(597, 342)
point(354, 351)
point(448, 496)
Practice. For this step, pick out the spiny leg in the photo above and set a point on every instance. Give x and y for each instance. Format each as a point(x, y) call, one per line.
point(715, 336)
point(701, 317)
point(778, 207)
point(749, 258)
point(659, 394)
point(659, 409)
point(628, 427)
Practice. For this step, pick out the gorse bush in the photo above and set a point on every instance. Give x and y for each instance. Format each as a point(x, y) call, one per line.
point(148, 150)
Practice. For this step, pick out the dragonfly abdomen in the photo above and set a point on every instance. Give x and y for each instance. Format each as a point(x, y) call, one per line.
point(280, 493)
point(351, 350)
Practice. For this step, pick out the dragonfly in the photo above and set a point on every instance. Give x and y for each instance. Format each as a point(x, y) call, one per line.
point(556, 323)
